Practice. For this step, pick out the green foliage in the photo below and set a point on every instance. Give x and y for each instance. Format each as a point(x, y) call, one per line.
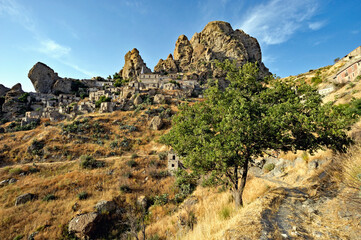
point(19, 237)
point(88, 162)
point(158, 174)
point(269, 167)
point(160, 200)
point(49, 197)
point(317, 79)
point(134, 156)
point(132, 163)
point(83, 195)
point(15, 171)
point(24, 97)
point(101, 100)
point(251, 116)
point(162, 156)
point(125, 188)
point(185, 182)
point(129, 128)
point(16, 126)
point(175, 83)
point(225, 212)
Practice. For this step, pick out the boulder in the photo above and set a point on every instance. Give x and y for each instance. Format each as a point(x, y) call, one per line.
point(105, 207)
point(138, 100)
point(183, 53)
point(142, 201)
point(133, 65)
point(24, 198)
point(85, 225)
point(159, 99)
point(42, 77)
point(156, 123)
point(62, 86)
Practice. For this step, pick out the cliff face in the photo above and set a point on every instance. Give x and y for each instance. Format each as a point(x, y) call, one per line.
point(133, 65)
point(217, 41)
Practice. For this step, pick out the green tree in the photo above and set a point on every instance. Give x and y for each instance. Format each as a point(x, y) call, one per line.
point(250, 118)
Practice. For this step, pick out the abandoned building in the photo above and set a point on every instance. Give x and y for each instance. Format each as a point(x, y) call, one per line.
point(173, 162)
point(349, 72)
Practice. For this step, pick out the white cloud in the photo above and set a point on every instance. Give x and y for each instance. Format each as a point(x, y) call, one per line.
point(17, 12)
point(53, 49)
point(316, 25)
point(276, 21)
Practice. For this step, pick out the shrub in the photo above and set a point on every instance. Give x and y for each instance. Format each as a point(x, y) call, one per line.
point(132, 163)
point(160, 200)
point(83, 195)
point(158, 174)
point(19, 237)
point(88, 162)
point(49, 197)
point(15, 171)
point(24, 98)
point(225, 213)
point(101, 100)
point(125, 188)
point(134, 156)
point(269, 167)
point(162, 155)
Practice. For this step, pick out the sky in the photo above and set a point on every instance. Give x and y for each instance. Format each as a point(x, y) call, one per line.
point(87, 38)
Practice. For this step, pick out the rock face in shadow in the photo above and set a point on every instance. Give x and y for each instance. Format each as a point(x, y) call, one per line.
point(3, 90)
point(217, 41)
point(133, 65)
point(42, 77)
point(15, 103)
point(46, 80)
point(168, 65)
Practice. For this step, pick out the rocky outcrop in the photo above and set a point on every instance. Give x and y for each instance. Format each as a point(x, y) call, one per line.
point(45, 80)
point(183, 52)
point(15, 103)
point(24, 198)
point(156, 123)
point(166, 66)
point(3, 90)
point(217, 41)
point(133, 65)
point(85, 225)
point(42, 77)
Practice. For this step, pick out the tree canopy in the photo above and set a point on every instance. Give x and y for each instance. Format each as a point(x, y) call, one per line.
point(251, 117)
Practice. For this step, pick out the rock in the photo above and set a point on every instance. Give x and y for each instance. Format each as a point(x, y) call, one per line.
point(183, 53)
point(256, 171)
point(42, 77)
point(63, 86)
point(217, 41)
point(159, 99)
point(32, 235)
point(12, 180)
point(24, 198)
point(85, 225)
point(133, 65)
point(106, 107)
point(3, 90)
point(105, 207)
point(312, 165)
point(190, 201)
point(156, 123)
point(4, 183)
point(166, 66)
point(138, 100)
point(142, 201)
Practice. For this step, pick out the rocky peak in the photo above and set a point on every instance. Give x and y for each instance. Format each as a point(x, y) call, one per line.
point(166, 66)
point(15, 91)
point(217, 41)
point(3, 90)
point(42, 77)
point(133, 64)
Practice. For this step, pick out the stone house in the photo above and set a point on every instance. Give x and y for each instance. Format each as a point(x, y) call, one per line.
point(174, 162)
point(94, 96)
point(349, 72)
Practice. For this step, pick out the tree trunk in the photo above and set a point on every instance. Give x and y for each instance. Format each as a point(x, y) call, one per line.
point(238, 190)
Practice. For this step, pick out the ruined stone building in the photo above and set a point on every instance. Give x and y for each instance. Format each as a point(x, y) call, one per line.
point(174, 162)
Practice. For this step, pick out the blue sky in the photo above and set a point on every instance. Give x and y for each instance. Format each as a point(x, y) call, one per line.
point(85, 38)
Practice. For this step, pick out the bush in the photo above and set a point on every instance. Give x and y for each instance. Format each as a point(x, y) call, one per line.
point(185, 182)
point(88, 162)
point(269, 167)
point(49, 197)
point(132, 163)
point(225, 213)
point(134, 156)
point(15, 171)
point(161, 200)
point(83, 195)
point(24, 98)
point(101, 100)
point(162, 155)
point(158, 174)
point(125, 188)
